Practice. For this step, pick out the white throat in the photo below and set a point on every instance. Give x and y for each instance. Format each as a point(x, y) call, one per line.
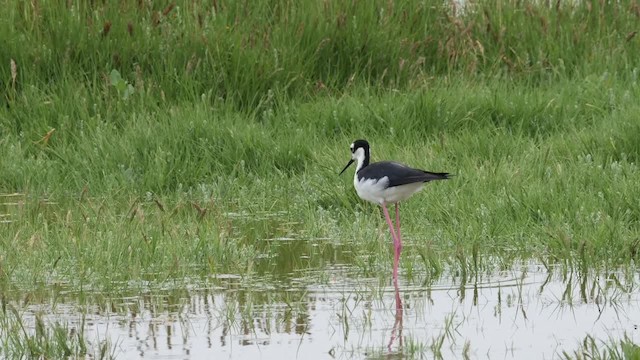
point(358, 156)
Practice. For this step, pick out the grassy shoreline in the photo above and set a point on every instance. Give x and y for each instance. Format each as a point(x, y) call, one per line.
point(130, 129)
point(559, 189)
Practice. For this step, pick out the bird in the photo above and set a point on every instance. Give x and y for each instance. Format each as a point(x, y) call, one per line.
point(387, 182)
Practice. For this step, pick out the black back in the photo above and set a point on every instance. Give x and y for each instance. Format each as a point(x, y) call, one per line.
point(398, 174)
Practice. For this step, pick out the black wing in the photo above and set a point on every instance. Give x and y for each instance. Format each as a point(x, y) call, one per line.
point(398, 174)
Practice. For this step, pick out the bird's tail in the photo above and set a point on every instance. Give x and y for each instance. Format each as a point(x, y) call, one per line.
point(437, 176)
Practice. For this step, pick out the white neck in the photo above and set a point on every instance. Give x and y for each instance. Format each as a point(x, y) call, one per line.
point(359, 157)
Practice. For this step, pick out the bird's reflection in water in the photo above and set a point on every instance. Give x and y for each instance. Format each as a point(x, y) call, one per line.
point(396, 332)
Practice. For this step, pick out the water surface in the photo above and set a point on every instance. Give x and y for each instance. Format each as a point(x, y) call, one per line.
point(527, 311)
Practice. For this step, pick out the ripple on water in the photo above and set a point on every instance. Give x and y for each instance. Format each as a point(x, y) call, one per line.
point(523, 312)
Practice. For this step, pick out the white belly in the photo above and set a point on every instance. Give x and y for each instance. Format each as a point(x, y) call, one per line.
point(377, 191)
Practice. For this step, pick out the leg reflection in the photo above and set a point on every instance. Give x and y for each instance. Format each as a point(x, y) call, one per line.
point(396, 332)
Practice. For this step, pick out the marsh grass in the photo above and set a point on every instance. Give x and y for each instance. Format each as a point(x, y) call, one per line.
point(245, 51)
point(150, 143)
point(548, 173)
point(592, 348)
point(44, 338)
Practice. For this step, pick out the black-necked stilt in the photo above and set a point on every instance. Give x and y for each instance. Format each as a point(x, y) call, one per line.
point(387, 182)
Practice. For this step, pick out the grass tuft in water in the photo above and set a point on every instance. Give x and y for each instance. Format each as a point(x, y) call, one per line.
point(38, 337)
point(592, 348)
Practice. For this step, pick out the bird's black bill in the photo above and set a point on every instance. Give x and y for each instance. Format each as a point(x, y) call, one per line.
point(345, 168)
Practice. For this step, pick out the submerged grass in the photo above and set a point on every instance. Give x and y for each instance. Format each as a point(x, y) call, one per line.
point(592, 348)
point(39, 338)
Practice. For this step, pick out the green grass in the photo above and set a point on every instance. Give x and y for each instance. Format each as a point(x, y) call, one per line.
point(160, 142)
point(591, 348)
point(40, 338)
point(549, 173)
point(241, 52)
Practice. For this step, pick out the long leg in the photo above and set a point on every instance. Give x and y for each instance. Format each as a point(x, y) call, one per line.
point(396, 242)
point(398, 227)
point(396, 332)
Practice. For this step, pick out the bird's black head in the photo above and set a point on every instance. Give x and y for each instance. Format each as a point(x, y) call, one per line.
point(360, 153)
point(360, 144)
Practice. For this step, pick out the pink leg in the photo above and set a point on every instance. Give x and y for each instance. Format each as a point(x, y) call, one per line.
point(398, 228)
point(396, 242)
point(397, 326)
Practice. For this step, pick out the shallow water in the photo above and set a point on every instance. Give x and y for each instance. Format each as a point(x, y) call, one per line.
point(332, 312)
